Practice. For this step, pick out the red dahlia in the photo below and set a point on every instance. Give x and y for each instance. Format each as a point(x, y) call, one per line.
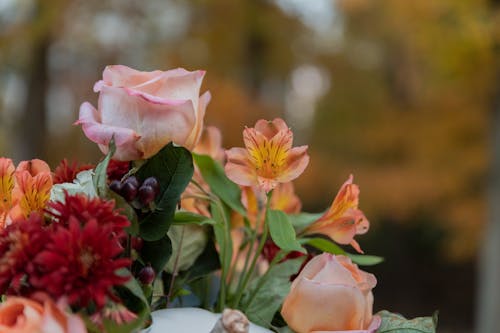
point(19, 244)
point(117, 169)
point(80, 262)
point(85, 209)
point(66, 172)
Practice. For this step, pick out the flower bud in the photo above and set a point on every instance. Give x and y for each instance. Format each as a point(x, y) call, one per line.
point(153, 182)
point(116, 186)
point(129, 191)
point(146, 195)
point(146, 275)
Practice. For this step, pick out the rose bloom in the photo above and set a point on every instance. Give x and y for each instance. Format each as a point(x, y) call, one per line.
point(144, 111)
point(331, 294)
point(22, 315)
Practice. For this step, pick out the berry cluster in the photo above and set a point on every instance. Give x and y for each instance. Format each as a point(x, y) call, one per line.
point(133, 191)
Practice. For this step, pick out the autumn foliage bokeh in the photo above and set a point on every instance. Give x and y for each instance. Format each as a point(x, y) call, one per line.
point(399, 93)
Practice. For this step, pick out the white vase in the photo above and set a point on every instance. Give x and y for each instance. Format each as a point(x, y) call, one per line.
point(188, 320)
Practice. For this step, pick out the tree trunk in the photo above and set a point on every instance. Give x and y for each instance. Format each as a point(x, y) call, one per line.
point(31, 136)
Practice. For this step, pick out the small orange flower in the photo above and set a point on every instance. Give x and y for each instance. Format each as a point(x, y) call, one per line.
point(343, 220)
point(31, 192)
point(268, 157)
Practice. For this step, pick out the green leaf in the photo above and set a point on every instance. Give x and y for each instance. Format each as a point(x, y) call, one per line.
point(194, 240)
point(328, 246)
point(173, 168)
point(157, 253)
point(100, 172)
point(365, 260)
point(183, 217)
point(223, 187)
point(272, 292)
point(395, 323)
point(128, 211)
point(282, 231)
point(324, 245)
point(221, 214)
point(303, 220)
point(133, 286)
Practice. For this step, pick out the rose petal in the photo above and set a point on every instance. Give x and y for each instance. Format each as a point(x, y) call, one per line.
point(123, 76)
point(341, 307)
point(157, 123)
point(194, 137)
point(101, 134)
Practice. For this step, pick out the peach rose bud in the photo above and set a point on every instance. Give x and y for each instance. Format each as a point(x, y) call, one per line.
point(331, 294)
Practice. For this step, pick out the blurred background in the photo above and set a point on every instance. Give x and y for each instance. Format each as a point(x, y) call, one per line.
point(403, 94)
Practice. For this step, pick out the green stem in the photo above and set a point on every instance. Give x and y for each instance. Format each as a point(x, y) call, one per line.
point(257, 253)
point(175, 270)
point(225, 258)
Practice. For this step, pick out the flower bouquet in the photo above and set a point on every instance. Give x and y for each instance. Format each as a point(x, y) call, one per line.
point(169, 223)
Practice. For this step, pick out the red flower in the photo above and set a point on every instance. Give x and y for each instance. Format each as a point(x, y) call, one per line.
point(85, 209)
point(66, 172)
point(20, 242)
point(117, 169)
point(80, 262)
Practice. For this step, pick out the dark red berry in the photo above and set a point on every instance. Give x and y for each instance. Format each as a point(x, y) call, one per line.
point(116, 186)
point(132, 180)
point(137, 243)
point(153, 182)
point(146, 275)
point(146, 194)
point(129, 191)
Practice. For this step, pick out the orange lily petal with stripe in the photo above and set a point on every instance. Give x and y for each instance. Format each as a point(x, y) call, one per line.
point(32, 190)
point(343, 220)
point(7, 170)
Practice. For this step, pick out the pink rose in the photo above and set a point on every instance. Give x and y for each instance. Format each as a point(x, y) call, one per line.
point(145, 111)
point(331, 294)
point(22, 315)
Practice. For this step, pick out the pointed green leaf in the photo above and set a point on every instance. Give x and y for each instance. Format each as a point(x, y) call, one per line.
point(365, 260)
point(395, 323)
point(100, 173)
point(303, 220)
point(282, 231)
point(223, 187)
point(271, 293)
point(184, 217)
point(173, 168)
point(157, 253)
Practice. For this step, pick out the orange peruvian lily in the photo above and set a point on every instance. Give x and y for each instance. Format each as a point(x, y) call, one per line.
point(33, 182)
point(6, 186)
point(343, 220)
point(268, 157)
